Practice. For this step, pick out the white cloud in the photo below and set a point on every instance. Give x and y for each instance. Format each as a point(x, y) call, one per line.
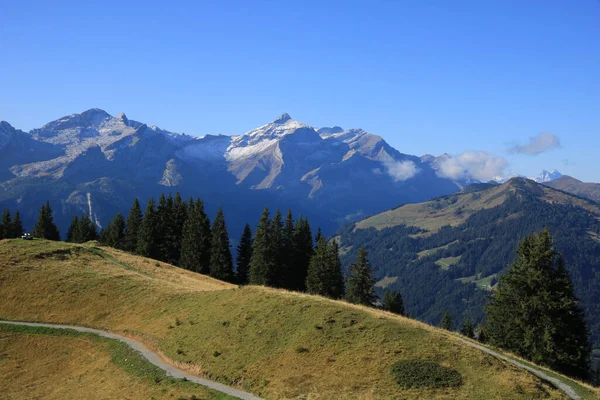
point(399, 170)
point(538, 144)
point(478, 165)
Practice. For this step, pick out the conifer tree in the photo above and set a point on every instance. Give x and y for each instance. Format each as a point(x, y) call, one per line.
point(72, 231)
point(482, 335)
point(303, 252)
point(16, 229)
point(262, 262)
point(180, 213)
point(132, 227)
point(335, 276)
point(318, 235)
point(5, 225)
point(446, 321)
point(276, 234)
point(106, 233)
point(393, 302)
point(467, 328)
point(148, 237)
point(317, 279)
point(361, 284)
point(244, 254)
point(85, 230)
point(164, 221)
point(45, 228)
point(196, 239)
point(287, 253)
point(221, 261)
point(534, 311)
point(117, 234)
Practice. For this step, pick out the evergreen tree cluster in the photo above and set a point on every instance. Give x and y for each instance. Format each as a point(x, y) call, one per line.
point(45, 228)
point(10, 228)
point(81, 230)
point(535, 313)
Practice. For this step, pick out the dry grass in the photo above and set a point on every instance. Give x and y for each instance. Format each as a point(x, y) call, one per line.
point(64, 367)
point(247, 337)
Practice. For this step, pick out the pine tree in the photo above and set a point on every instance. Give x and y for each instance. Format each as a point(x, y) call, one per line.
point(303, 252)
point(482, 335)
point(148, 237)
point(132, 227)
point(319, 235)
point(534, 311)
point(361, 284)
point(196, 239)
point(221, 261)
point(73, 228)
point(164, 231)
point(287, 253)
point(276, 234)
point(467, 328)
point(85, 230)
point(316, 278)
point(106, 233)
point(180, 213)
point(335, 276)
point(393, 302)
point(262, 263)
point(45, 228)
point(117, 234)
point(244, 254)
point(5, 224)
point(16, 229)
point(446, 321)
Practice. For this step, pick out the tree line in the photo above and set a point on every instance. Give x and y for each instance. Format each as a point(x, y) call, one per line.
point(10, 228)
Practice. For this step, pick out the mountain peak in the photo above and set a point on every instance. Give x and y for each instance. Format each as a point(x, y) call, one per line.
point(283, 118)
point(121, 116)
point(547, 176)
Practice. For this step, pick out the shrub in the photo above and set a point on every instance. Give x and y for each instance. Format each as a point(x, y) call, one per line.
point(301, 350)
point(424, 374)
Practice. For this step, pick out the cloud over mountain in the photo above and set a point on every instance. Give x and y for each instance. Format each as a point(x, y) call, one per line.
point(478, 165)
point(538, 144)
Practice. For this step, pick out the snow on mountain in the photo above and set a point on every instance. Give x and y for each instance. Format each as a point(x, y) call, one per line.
point(546, 176)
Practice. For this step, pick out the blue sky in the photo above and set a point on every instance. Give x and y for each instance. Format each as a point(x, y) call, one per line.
point(429, 76)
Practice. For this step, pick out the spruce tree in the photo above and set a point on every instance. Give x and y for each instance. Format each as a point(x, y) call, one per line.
point(73, 229)
point(467, 328)
point(244, 254)
point(106, 234)
point(132, 227)
point(317, 281)
point(276, 234)
point(5, 225)
point(303, 252)
point(361, 284)
point(117, 233)
point(221, 261)
point(318, 235)
point(45, 228)
point(446, 321)
point(85, 230)
point(287, 253)
point(164, 231)
point(180, 213)
point(392, 301)
point(534, 311)
point(148, 236)
point(16, 229)
point(335, 276)
point(196, 239)
point(262, 262)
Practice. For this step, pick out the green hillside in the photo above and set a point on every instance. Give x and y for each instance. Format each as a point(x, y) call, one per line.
point(274, 343)
point(447, 253)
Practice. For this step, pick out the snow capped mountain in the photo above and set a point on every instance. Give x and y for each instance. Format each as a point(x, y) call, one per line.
point(543, 177)
point(330, 174)
point(546, 176)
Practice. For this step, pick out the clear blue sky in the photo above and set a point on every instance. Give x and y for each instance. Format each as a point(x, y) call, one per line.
point(429, 76)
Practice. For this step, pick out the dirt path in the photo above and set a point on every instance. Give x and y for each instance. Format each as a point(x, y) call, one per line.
point(150, 356)
point(568, 390)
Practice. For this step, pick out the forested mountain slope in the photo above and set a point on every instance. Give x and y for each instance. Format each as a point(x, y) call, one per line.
point(447, 253)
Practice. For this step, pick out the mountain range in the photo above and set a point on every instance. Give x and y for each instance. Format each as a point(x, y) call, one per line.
point(95, 163)
point(447, 253)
